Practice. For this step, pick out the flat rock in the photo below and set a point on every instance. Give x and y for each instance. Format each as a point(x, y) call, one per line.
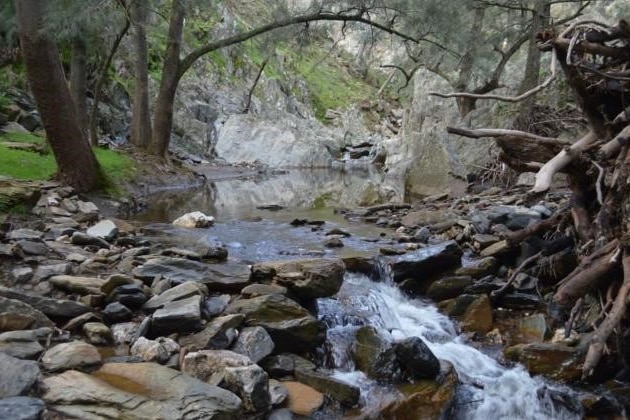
point(555, 361)
point(448, 287)
point(83, 239)
point(177, 270)
point(258, 289)
point(138, 390)
point(179, 292)
point(72, 355)
point(495, 249)
point(24, 344)
point(56, 308)
point(303, 400)
point(25, 234)
point(17, 315)
point(218, 334)
point(105, 229)
point(77, 284)
point(17, 377)
point(336, 389)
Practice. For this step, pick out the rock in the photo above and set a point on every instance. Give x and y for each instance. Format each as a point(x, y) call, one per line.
point(484, 240)
point(307, 279)
point(374, 355)
point(532, 328)
point(158, 350)
point(447, 288)
point(255, 343)
point(519, 300)
point(431, 398)
point(559, 338)
point(17, 315)
point(97, 333)
point(280, 365)
point(105, 229)
point(80, 285)
point(22, 408)
point(125, 333)
point(478, 268)
point(194, 220)
point(43, 272)
point(130, 295)
point(24, 344)
point(78, 322)
point(177, 270)
point(17, 377)
point(555, 361)
point(277, 392)
point(21, 274)
point(227, 278)
point(87, 207)
point(72, 355)
point(179, 292)
point(303, 400)
point(257, 289)
point(416, 358)
point(116, 312)
point(218, 334)
point(290, 326)
point(83, 239)
point(496, 249)
point(138, 390)
point(421, 218)
point(56, 308)
point(33, 248)
point(333, 243)
point(215, 305)
point(478, 315)
point(422, 235)
point(178, 316)
point(336, 389)
point(416, 268)
point(25, 234)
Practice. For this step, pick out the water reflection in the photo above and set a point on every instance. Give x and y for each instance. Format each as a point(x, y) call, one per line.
point(237, 199)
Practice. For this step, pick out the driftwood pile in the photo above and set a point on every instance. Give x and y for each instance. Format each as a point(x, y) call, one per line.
point(595, 59)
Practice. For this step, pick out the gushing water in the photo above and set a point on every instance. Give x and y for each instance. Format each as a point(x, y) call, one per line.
point(487, 390)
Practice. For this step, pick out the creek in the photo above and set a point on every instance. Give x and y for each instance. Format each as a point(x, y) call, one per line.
point(487, 388)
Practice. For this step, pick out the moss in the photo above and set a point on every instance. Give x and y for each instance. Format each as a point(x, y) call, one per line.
point(22, 138)
point(20, 164)
point(116, 168)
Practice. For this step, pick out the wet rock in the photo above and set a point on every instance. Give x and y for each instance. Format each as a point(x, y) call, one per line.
point(448, 287)
point(375, 356)
point(552, 360)
point(519, 300)
point(303, 400)
point(280, 365)
point(333, 243)
point(56, 308)
point(194, 220)
point(97, 333)
point(117, 312)
point(418, 266)
point(105, 229)
point(416, 358)
point(17, 377)
point(72, 355)
point(176, 270)
point(478, 268)
point(183, 253)
point(138, 390)
point(77, 284)
point(307, 279)
point(22, 408)
point(178, 316)
point(83, 239)
point(215, 305)
point(291, 327)
point(24, 344)
point(478, 315)
point(158, 350)
point(179, 292)
point(334, 388)
point(532, 328)
point(255, 343)
point(431, 398)
point(17, 315)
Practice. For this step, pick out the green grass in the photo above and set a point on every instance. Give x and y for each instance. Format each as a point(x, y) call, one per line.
point(19, 164)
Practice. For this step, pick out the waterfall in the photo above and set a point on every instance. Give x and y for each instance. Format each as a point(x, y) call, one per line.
point(487, 390)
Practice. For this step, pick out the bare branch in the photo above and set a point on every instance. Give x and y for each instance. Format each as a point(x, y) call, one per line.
point(491, 132)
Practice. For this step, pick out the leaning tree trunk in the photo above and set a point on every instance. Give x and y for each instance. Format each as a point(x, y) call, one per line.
point(163, 118)
point(77, 165)
point(141, 118)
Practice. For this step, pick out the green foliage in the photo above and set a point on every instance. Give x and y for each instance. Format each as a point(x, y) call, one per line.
point(117, 166)
point(22, 138)
point(20, 164)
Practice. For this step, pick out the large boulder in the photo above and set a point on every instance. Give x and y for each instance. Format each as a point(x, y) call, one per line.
point(291, 327)
point(417, 360)
point(138, 390)
point(374, 355)
point(307, 279)
point(284, 141)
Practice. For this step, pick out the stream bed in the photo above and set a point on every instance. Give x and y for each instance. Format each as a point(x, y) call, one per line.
point(253, 222)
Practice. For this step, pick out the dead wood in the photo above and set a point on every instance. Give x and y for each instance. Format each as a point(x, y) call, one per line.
point(515, 238)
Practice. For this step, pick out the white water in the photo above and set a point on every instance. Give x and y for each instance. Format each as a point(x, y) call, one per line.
point(487, 390)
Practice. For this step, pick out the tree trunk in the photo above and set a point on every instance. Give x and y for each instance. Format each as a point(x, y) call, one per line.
point(163, 118)
point(540, 19)
point(466, 64)
point(78, 81)
point(141, 118)
point(77, 165)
